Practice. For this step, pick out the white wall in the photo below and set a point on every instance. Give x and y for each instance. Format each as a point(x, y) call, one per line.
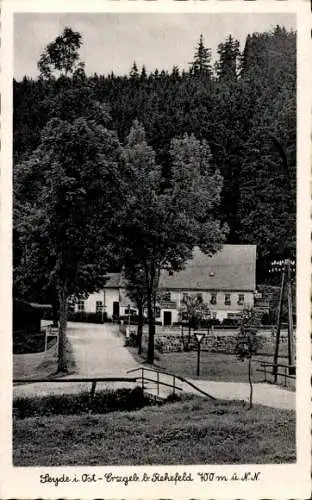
point(110, 295)
point(220, 308)
point(90, 302)
point(107, 296)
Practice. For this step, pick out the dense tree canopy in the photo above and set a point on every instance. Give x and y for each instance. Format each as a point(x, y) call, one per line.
point(245, 110)
point(161, 223)
point(210, 157)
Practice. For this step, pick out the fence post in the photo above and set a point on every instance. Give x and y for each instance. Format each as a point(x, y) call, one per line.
point(45, 341)
point(157, 384)
point(142, 379)
point(92, 392)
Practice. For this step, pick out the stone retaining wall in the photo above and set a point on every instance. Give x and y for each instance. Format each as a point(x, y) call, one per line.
point(223, 342)
point(212, 343)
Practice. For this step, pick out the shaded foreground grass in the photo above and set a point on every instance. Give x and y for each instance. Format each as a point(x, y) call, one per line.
point(194, 431)
point(77, 404)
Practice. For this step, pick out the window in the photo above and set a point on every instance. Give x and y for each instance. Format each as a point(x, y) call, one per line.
point(214, 315)
point(71, 305)
point(129, 311)
point(241, 299)
point(166, 296)
point(227, 299)
point(157, 312)
point(99, 306)
point(233, 315)
point(80, 305)
point(184, 296)
point(213, 299)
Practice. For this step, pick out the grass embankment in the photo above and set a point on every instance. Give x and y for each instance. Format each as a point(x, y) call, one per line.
point(215, 366)
point(194, 431)
point(41, 365)
point(77, 404)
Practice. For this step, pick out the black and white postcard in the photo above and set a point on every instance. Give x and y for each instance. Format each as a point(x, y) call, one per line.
point(155, 249)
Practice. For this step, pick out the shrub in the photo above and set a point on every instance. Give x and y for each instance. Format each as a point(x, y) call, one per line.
point(173, 398)
point(28, 342)
point(85, 317)
point(77, 404)
point(230, 322)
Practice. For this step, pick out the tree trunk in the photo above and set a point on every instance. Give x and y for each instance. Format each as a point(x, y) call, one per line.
point(55, 312)
point(151, 329)
point(250, 383)
point(140, 328)
point(62, 341)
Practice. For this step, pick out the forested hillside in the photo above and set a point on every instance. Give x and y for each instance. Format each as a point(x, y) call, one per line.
point(244, 106)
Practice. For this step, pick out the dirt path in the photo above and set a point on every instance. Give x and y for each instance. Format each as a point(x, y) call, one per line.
point(263, 394)
point(99, 352)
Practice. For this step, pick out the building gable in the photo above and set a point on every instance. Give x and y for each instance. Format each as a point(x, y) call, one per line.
point(232, 268)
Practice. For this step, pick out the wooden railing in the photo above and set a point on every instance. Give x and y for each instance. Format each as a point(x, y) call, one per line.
point(92, 380)
point(277, 370)
point(175, 377)
point(143, 378)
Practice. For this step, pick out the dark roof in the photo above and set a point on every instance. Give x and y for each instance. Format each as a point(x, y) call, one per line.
point(24, 307)
point(113, 280)
point(42, 307)
point(232, 268)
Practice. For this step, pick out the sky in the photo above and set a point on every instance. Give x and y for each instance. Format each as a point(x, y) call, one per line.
point(112, 41)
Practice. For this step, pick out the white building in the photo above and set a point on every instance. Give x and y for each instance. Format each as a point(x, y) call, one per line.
point(226, 281)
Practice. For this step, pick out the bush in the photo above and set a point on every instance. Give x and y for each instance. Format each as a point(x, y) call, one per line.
point(230, 322)
point(85, 317)
point(173, 398)
point(77, 404)
point(28, 342)
point(266, 320)
point(208, 323)
point(132, 319)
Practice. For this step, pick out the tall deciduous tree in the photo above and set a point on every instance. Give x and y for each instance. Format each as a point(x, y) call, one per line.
point(62, 55)
point(65, 231)
point(136, 290)
point(161, 225)
point(194, 308)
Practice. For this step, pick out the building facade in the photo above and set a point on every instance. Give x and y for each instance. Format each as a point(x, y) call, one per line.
point(226, 282)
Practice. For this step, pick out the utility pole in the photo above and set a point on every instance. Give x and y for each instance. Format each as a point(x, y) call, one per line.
point(279, 323)
point(291, 358)
point(286, 276)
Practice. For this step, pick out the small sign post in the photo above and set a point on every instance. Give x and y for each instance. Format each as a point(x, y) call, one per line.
point(199, 338)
